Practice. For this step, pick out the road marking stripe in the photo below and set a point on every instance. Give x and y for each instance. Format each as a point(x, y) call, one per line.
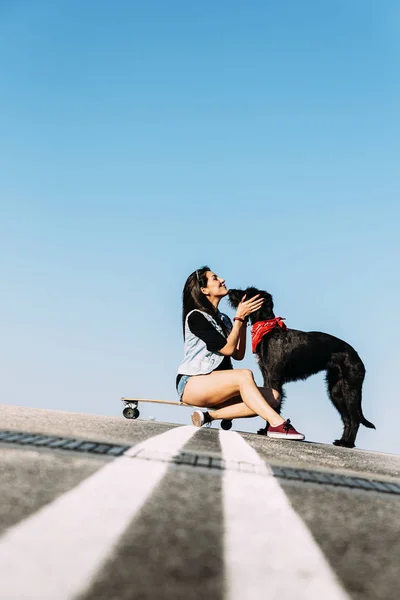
point(56, 552)
point(269, 552)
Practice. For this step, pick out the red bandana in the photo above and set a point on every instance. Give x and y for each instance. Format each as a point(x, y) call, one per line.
point(261, 328)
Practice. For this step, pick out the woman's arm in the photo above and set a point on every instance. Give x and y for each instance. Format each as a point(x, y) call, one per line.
point(232, 341)
point(200, 326)
point(236, 341)
point(241, 345)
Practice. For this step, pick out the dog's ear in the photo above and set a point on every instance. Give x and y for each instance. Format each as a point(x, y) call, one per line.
point(268, 302)
point(267, 309)
point(235, 297)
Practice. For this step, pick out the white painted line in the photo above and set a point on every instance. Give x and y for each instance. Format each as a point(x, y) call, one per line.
point(55, 553)
point(269, 552)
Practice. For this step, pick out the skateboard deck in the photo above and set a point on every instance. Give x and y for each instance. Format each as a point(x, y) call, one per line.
point(131, 410)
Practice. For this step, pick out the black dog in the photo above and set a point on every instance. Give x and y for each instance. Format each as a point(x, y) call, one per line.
point(289, 355)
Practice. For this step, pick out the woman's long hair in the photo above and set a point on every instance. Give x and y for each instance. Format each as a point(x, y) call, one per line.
point(193, 297)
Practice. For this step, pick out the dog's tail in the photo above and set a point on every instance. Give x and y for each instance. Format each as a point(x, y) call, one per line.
point(358, 370)
point(367, 423)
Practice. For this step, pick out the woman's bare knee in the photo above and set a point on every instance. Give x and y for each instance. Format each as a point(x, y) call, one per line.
point(245, 374)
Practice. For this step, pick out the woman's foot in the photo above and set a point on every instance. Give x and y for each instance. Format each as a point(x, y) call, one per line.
point(285, 431)
point(200, 418)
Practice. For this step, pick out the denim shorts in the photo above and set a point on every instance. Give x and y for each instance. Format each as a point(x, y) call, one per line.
point(181, 385)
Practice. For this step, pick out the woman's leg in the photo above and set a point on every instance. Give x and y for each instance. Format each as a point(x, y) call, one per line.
point(237, 409)
point(217, 387)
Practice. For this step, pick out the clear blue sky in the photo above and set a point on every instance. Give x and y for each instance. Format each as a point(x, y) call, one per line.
point(140, 140)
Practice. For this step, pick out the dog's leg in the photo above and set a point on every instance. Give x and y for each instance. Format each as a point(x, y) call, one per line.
point(279, 389)
point(337, 394)
point(354, 373)
point(352, 424)
point(344, 379)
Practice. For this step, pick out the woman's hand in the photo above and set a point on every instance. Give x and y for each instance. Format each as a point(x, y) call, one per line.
point(246, 307)
point(236, 341)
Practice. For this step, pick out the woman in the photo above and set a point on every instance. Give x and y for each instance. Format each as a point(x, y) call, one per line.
point(206, 377)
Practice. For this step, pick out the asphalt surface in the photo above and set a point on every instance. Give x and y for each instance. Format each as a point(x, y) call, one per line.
point(174, 546)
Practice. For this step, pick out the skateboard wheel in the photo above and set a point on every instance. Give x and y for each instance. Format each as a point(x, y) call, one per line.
point(136, 413)
point(129, 413)
point(226, 424)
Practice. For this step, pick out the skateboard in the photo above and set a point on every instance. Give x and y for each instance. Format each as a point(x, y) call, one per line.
point(131, 410)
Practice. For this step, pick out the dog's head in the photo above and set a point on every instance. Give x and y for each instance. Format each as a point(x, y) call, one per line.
point(265, 312)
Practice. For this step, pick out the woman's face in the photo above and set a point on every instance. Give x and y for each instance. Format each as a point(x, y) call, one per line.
point(215, 286)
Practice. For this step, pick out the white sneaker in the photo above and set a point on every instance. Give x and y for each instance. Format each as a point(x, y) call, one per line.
point(200, 418)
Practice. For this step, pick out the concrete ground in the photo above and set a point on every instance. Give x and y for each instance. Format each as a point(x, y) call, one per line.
point(175, 544)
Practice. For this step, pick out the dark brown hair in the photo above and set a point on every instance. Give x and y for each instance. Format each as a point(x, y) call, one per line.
point(193, 297)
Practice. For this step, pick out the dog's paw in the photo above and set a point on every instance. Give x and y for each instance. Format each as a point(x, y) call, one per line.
point(262, 431)
point(344, 444)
